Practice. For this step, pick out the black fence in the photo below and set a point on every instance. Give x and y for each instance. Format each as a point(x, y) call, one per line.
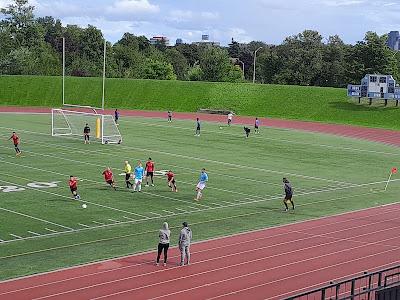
point(369, 286)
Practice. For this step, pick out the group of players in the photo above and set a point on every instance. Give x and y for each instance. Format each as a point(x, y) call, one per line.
point(138, 175)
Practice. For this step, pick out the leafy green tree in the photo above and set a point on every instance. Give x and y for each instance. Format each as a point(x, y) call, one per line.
point(191, 53)
point(214, 63)
point(179, 62)
point(195, 73)
point(154, 69)
point(235, 74)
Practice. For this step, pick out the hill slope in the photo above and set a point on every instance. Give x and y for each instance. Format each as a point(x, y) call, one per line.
point(278, 101)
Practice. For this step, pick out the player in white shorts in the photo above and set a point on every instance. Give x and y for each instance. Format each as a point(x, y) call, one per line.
point(201, 185)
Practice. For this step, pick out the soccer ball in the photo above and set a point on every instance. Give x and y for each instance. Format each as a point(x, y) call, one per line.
point(220, 127)
point(77, 197)
point(84, 206)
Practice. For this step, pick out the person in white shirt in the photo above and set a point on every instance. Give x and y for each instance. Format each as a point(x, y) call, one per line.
point(230, 116)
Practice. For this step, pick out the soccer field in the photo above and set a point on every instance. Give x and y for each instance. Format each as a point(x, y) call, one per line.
point(42, 228)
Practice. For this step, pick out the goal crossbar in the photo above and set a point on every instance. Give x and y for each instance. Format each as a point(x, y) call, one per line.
point(71, 123)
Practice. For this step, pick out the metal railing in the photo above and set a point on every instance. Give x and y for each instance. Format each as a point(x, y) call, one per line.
point(362, 287)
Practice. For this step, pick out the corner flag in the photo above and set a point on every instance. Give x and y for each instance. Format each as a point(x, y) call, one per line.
point(392, 171)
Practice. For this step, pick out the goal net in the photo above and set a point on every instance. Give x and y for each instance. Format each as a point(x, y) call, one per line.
point(71, 123)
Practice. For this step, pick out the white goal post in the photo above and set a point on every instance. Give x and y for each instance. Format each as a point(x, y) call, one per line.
point(71, 123)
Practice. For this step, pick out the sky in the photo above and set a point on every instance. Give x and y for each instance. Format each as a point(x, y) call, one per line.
point(244, 20)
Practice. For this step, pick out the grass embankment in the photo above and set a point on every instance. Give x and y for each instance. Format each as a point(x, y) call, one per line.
point(289, 102)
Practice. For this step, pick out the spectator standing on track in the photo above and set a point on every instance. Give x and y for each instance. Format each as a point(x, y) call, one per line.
point(86, 133)
point(116, 117)
point(288, 194)
point(163, 244)
point(185, 239)
point(198, 127)
point(256, 126)
point(169, 116)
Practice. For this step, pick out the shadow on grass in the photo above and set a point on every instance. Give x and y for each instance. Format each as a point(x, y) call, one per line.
point(353, 106)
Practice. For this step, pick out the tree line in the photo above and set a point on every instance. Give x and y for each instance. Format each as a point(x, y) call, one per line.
point(32, 45)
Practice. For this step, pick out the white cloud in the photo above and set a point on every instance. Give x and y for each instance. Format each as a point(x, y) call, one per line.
point(123, 7)
point(338, 3)
point(209, 15)
point(4, 3)
point(181, 15)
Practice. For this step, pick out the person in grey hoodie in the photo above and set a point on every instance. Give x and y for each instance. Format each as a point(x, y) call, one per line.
point(185, 239)
point(164, 235)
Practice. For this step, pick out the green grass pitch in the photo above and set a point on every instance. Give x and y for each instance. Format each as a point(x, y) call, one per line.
point(43, 229)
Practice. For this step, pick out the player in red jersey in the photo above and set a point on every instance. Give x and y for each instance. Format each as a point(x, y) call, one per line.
point(15, 139)
point(171, 181)
point(73, 185)
point(109, 177)
point(149, 169)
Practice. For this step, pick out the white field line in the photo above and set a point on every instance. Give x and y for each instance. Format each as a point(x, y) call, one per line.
point(221, 207)
point(357, 150)
point(198, 223)
point(83, 225)
point(112, 220)
point(16, 236)
point(99, 223)
point(51, 230)
point(34, 233)
point(347, 220)
point(127, 218)
point(69, 198)
point(228, 164)
point(35, 218)
point(82, 162)
point(260, 137)
point(169, 165)
point(227, 267)
point(87, 163)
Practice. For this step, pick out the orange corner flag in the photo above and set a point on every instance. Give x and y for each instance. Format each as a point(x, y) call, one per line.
point(394, 170)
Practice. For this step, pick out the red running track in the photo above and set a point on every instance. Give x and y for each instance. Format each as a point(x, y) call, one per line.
point(266, 264)
point(390, 137)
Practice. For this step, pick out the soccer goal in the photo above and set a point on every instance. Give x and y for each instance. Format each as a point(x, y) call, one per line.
point(71, 123)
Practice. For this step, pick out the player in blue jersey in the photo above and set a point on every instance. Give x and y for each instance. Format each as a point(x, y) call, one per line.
point(139, 174)
point(201, 185)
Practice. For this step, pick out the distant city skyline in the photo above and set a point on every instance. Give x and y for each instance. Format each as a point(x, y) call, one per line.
point(264, 20)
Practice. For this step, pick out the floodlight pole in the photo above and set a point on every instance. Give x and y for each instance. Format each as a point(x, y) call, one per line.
point(104, 75)
point(63, 71)
point(254, 64)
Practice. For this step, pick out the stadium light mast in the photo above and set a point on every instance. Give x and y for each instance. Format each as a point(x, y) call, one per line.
point(254, 64)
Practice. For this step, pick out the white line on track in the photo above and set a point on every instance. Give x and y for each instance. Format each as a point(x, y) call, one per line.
point(346, 220)
point(363, 244)
point(34, 233)
point(224, 163)
point(260, 272)
point(35, 218)
point(16, 236)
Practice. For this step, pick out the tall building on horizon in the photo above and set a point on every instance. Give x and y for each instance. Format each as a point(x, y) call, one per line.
point(205, 40)
point(393, 41)
point(159, 39)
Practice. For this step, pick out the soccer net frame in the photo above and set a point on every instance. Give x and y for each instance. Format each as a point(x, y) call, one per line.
point(71, 123)
point(68, 122)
